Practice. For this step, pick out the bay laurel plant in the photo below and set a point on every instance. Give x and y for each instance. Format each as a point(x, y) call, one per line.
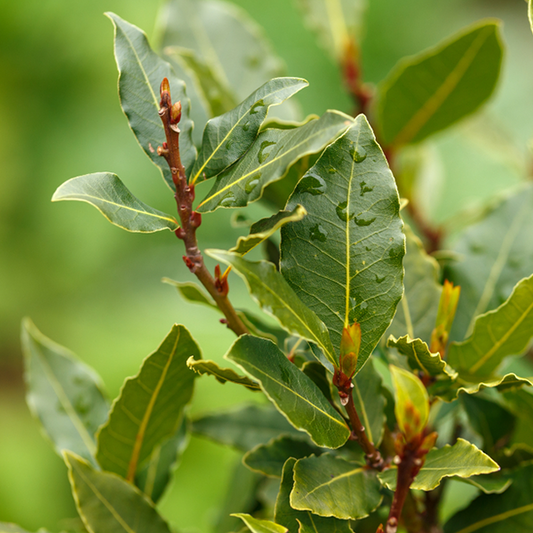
point(385, 377)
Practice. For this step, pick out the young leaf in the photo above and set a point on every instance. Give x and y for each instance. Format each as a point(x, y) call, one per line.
point(268, 459)
point(245, 427)
point(276, 297)
point(63, 393)
point(332, 486)
point(497, 334)
point(430, 91)
point(269, 157)
point(150, 406)
point(263, 229)
point(291, 391)
point(499, 513)
point(110, 196)
point(255, 525)
point(108, 503)
point(222, 375)
point(302, 521)
point(227, 137)
point(496, 254)
point(344, 259)
point(463, 459)
point(141, 71)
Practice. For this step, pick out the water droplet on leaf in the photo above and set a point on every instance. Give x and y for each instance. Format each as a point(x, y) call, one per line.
point(380, 280)
point(313, 185)
point(229, 144)
point(252, 183)
point(364, 188)
point(332, 170)
point(342, 212)
point(246, 126)
point(318, 233)
point(256, 106)
point(261, 156)
point(363, 222)
point(358, 154)
point(228, 200)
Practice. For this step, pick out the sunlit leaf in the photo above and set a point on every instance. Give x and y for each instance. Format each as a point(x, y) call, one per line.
point(141, 72)
point(222, 375)
point(344, 259)
point(255, 525)
point(108, 503)
point(150, 406)
point(432, 90)
point(63, 393)
point(110, 196)
point(332, 486)
point(291, 391)
point(272, 153)
point(530, 14)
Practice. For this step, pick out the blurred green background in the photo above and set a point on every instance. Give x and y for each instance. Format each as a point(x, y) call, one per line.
point(96, 289)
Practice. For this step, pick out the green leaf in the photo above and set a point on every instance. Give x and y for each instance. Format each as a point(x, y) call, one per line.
point(291, 391)
point(420, 358)
point(463, 459)
point(222, 375)
point(332, 486)
point(496, 483)
point(150, 406)
point(269, 458)
point(417, 311)
point(302, 521)
point(141, 72)
point(63, 393)
point(108, 503)
point(530, 14)
point(227, 137)
point(430, 91)
point(245, 427)
point(497, 334)
point(154, 474)
point(499, 513)
point(110, 196)
point(276, 297)
point(13, 528)
point(344, 259)
point(496, 254)
point(260, 526)
point(319, 376)
point(192, 292)
point(269, 157)
point(264, 228)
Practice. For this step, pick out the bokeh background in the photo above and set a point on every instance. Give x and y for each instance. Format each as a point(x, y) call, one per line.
point(96, 289)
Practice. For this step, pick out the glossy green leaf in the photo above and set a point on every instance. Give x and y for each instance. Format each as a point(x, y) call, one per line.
point(276, 297)
point(369, 402)
point(270, 156)
point(255, 525)
point(110, 196)
point(417, 311)
point(291, 391)
point(154, 474)
point(227, 137)
point(420, 358)
point(344, 259)
point(108, 503)
point(141, 72)
point(222, 375)
point(150, 406)
point(263, 229)
point(430, 91)
point(497, 334)
point(511, 511)
point(192, 292)
point(63, 393)
point(302, 521)
point(496, 253)
point(319, 376)
point(496, 483)
point(463, 459)
point(245, 427)
point(332, 486)
point(269, 458)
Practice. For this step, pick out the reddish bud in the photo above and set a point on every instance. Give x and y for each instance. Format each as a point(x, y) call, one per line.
point(189, 262)
point(221, 281)
point(165, 87)
point(180, 233)
point(196, 219)
point(175, 113)
point(428, 443)
point(164, 90)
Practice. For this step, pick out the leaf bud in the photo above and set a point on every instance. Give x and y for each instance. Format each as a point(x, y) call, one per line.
point(175, 112)
point(164, 90)
point(349, 349)
point(445, 315)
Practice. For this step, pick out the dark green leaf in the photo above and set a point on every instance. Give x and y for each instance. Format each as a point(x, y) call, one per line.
point(497, 334)
point(227, 137)
point(432, 90)
point(222, 375)
point(291, 391)
point(330, 486)
point(141, 72)
point(108, 503)
point(277, 298)
point(344, 259)
point(150, 406)
point(63, 393)
point(269, 158)
point(269, 458)
point(255, 525)
point(110, 196)
point(319, 376)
